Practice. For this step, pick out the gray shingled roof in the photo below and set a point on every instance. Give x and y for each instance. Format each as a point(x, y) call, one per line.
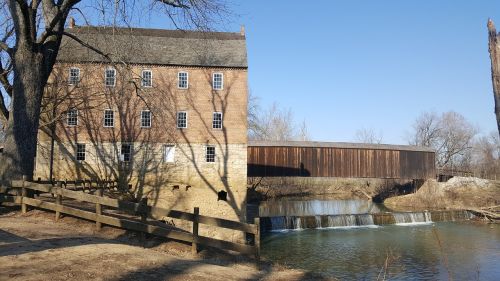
point(340, 145)
point(156, 46)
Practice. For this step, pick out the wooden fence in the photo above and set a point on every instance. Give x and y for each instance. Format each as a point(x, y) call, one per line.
point(134, 216)
point(82, 184)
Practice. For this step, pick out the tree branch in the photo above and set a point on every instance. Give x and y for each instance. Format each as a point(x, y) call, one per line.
point(174, 3)
point(5, 47)
point(3, 109)
point(4, 81)
point(86, 45)
point(54, 18)
point(21, 19)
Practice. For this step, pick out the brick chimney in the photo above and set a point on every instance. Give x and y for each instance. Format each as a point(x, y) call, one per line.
point(71, 22)
point(242, 30)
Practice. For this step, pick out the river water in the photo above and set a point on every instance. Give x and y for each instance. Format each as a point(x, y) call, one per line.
point(465, 250)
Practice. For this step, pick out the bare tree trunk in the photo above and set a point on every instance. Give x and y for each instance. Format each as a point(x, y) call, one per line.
point(495, 68)
point(20, 144)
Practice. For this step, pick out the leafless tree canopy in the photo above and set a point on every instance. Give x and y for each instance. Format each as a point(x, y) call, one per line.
point(450, 134)
point(368, 136)
point(486, 156)
point(274, 123)
point(30, 38)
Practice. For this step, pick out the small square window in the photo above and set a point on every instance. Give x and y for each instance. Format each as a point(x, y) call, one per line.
point(182, 119)
point(169, 153)
point(110, 77)
point(147, 78)
point(72, 117)
point(109, 118)
point(183, 80)
point(80, 152)
point(126, 152)
point(210, 153)
point(74, 76)
point(145, 119)
point(217, 120)
point(218, 81)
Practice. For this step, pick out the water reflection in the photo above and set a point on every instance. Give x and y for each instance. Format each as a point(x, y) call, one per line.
point(414, 252)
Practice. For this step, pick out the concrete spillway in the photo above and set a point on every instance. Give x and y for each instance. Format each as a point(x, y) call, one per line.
point(277, 223)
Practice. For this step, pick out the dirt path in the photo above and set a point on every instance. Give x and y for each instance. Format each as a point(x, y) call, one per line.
point(34, 247)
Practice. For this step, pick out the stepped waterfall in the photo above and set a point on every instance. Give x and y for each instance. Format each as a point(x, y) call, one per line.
point(316, 214)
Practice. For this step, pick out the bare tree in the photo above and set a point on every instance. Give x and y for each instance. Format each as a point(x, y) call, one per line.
point(450, 134)
point(495, 67)
point(486, 156)
point(275, 123)
point(30, 38)
point(426, 130)
point(253, 109)
point(368, 136)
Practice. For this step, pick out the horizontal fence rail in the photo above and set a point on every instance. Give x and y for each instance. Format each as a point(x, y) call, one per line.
point(139, 213)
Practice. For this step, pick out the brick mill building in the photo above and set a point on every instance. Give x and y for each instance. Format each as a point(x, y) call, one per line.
point(162, 110)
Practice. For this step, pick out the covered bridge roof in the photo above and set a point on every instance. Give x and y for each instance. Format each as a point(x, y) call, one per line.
point(155, 46)
point(340, 145)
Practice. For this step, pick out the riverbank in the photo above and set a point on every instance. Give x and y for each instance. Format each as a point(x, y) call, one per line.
point(456, 193)
point(34, 247)
point(323, 187)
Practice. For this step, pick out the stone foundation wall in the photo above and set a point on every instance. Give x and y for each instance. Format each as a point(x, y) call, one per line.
point(187, 183)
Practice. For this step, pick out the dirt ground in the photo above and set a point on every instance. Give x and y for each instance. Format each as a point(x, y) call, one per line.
point(456, 193)
point(34, 247)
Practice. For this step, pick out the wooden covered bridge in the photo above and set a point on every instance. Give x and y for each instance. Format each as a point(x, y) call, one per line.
point(336, 159)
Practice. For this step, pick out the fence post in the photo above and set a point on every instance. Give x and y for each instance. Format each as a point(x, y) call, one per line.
point(98, 211)
point(24, 194)
point(58, 199)
point(196, 219)
point(257, 238)
point(144, 217)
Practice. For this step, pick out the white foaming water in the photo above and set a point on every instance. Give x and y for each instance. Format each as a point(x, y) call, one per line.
point(330, 222)
point(411, 218)
point(353, 227)
point(318, 221)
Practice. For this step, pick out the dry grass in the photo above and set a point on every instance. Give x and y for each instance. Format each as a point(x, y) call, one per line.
point(434, 195)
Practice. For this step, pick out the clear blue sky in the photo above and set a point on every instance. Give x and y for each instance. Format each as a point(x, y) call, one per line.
point(346, 65)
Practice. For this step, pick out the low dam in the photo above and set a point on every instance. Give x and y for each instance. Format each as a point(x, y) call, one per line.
point(311, 214)
point(361, 220)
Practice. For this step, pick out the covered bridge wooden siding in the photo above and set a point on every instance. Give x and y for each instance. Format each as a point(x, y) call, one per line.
point(347, 160)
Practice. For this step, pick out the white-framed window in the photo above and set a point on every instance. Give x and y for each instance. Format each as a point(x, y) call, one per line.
point(126, 152)
point(147, 78)
point(218, 81)
point(182, 119)
point(109, 118)
point(183, 80)
point(74, 76)
point(80, 152)
point(146, 119)
point(110, 77)
point(72, 117)
point(210, 153)
point(169, 153)
point(217, 120)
